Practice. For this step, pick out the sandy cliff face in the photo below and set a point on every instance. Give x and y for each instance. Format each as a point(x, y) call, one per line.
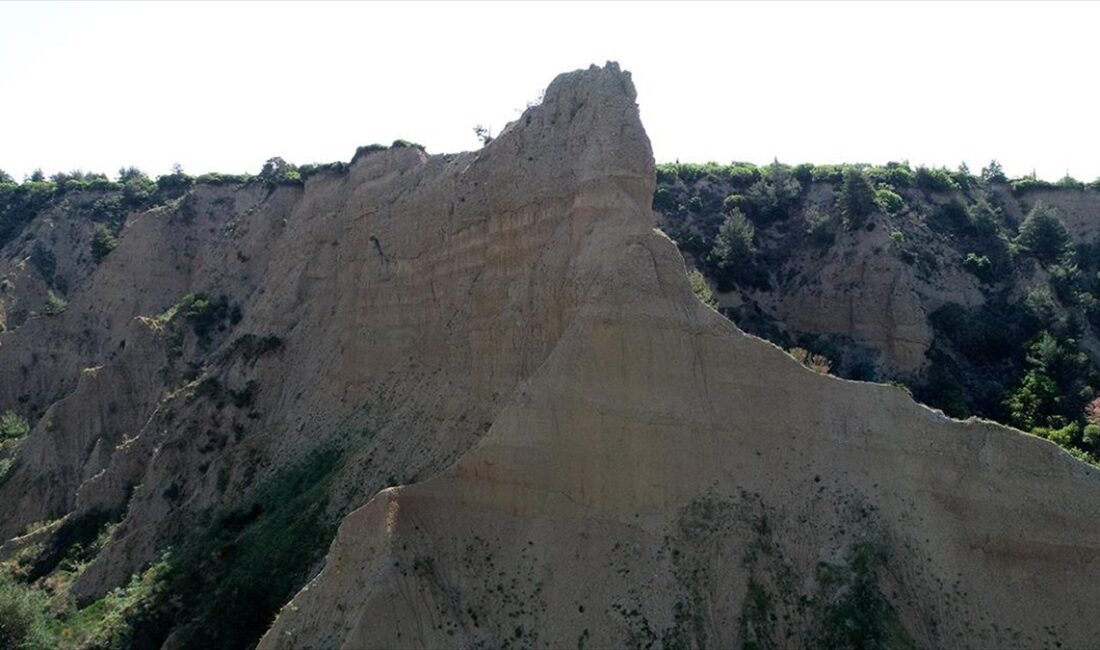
point(661, 478)
point(542, 438)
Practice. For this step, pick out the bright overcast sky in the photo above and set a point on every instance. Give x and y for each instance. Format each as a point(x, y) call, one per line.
point(222, 87)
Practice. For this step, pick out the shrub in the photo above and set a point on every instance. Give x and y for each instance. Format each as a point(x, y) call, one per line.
point(205, 315)
point(804, 173)
point(1043, 234)
point(55, 303)
point(740, 175)
point(323, 168)
point(819, 226)
point(137, 187)
point(734, 252)
point(277, 171)
point(893, 174)
point(1091, 435)
point(403, 144)
point(979, 265)
point(984, 218)
point(224, 179)
point(935, 179)
point(367, 150)
point(819, 363)
point(44, 260)
point(1033, 403)
point(856, 197)
point(828, 173)
point(1070, 182)
point(663, 201)
point(889, 201)
point(22, 615)
point(1028, 183)
point(770, 199)
point(701, 289)
point(103, 242)
point(172, 186)
point(13, 426)
point(20, 204)
point(951, 216)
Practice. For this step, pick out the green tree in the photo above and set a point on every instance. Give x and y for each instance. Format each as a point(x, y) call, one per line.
point(772, 197)
point(1043, 234)
point(983, 218)
point(103, 242)
point(734, 252)
point(856, 197)
point(994, 173)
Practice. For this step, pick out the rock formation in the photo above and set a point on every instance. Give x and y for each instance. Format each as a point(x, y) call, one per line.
point(542, 437)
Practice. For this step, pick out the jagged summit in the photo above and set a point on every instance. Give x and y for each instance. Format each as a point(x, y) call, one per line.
point(491, 372)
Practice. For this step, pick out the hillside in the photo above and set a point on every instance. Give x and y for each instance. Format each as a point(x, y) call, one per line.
point(472, 400)
point(976, 292)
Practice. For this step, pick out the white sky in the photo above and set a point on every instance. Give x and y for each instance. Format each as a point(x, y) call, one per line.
point(222, 87)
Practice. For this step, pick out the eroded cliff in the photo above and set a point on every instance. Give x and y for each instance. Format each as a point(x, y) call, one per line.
point(495, 367)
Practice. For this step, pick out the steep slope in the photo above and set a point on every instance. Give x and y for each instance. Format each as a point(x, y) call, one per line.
point(253, 357)
point(664, 479)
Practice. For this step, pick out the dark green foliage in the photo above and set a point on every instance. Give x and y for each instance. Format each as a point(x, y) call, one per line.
point(772, 197)
point(994, 173)
point(71, 542)
point(244, 396)
point(110, 210)
point(205, 315)
point(43, 259)
point(277, 171)
point(137, 187)
point(734, 251)
point(402, 144)
point(896, 175)
point(1050, 394)
point(23, 616)
point(819, 226)
point(828, 173)
point(5, 178)
point(225, 584)
point(103, 242)
point(979, 265)
point(252, 347)
point(366, 150)
point(984, 218)
point(172, 186)
point(935, 179)
point(1043, 234)
point(951, 217)
point(803, 173)
point(858, 616)
point(855, 197)
point(19, 204)
point(663, 201)
point(323, 168)
point(79, 180)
